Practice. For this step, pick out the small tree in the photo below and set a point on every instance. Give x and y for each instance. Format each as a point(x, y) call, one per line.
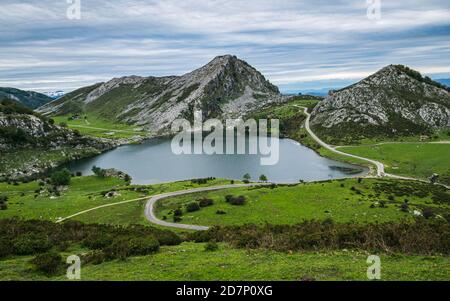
point(127, 178)
point(247, 178)
point(263, 178)
point(61, 177)
point(98, 171)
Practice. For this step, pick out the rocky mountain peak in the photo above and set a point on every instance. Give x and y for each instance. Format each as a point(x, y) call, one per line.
point(395, 101)
point(226, 86)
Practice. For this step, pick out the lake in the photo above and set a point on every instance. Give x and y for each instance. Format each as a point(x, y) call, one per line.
point(153, 162)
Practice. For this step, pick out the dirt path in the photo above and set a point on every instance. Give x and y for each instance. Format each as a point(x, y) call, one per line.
point(379, 165)
point(149, 208)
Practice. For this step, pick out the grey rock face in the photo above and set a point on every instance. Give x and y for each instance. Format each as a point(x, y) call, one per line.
point(394, 99)
point(41, 133)
point(225, 87)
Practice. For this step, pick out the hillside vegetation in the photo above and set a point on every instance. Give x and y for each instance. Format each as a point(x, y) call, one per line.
point(392, 103)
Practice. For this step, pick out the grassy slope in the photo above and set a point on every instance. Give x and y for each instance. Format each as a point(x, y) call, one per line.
point(42, 158)
point(282, 205)
point(183, 263)
point(415, 160)
point(409, 159)
point(83, 193)
point(290, 205)
point(292, 121)
point(99, 127)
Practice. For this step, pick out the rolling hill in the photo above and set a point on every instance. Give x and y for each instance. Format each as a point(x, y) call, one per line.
point(29, 99)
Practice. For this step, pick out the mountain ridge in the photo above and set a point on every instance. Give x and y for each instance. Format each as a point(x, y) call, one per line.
point(395, 101)
point(225, 87)
point(30, 99)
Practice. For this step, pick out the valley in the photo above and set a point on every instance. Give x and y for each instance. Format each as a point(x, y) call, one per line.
point(315, 215)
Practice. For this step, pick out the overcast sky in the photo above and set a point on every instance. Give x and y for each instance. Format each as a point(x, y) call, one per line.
point(297, 45)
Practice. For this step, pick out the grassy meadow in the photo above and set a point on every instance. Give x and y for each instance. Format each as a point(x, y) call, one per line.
point(419, 160)
point(190, 261)
point(92, 125)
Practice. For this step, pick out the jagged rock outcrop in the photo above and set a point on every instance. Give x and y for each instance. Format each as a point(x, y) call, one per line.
point(30, 131)
point(31, 144)
point(225, 87)
point(395, 101)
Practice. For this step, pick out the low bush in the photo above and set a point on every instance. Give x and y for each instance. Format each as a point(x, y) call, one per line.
point(94, 257)
point(404, 207)
point(123, 247)
point(192, 207)
point(178, 212)
point(220, 212)
point(237, 201)
point(31, 244)
point(48, 263)
point(424, 237)
point(202, 181)
point(211, 246)
point(30, 237)
point(428, 213)
point(60, 178)
point(205, 202)
point(97, 241)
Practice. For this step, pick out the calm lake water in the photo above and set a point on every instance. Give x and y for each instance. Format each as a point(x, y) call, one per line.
point(153, 162)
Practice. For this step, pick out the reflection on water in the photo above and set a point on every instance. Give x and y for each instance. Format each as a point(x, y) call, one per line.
point(154, 162)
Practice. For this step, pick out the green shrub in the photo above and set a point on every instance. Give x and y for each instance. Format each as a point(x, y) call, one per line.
point(404, 207)
point(211, 246)
point(123, 247)
point(205, 202)
point(424, 237)
point(60, 178)
point(48, 263)
point(5, 248)
point(178, 212)
point(237, 201)
point(220, 212)
point(192, 207)
point(97, 241)
point(30, 244)
point(428, 213)
point(95, 257)
point(143, 246)
point(98, 171)
point(177, 219)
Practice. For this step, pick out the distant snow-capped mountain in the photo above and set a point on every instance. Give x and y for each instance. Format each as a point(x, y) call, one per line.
point(55, 94)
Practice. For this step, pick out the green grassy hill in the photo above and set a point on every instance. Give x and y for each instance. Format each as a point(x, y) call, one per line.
point(29, 99)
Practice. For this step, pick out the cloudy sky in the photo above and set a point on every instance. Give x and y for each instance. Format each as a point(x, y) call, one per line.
point(298, 45)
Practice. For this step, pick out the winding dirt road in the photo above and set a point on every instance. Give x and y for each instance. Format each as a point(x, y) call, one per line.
point(150, 215)
point(379, 165)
